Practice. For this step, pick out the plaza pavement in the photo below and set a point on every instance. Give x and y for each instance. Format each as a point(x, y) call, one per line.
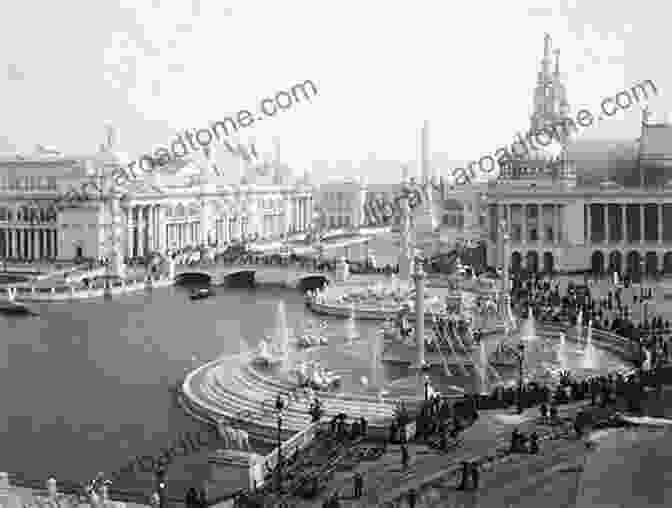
point(385, 480)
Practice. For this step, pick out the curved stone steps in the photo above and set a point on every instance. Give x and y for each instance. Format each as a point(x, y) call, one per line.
point(249, 399)
point(223, 404)
point(333, 403)
point(363, 402)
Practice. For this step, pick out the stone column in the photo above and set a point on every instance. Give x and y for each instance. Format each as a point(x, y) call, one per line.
point(116, 257)
point(404, 249)
point(589, 225)
point(419, 279)
point(624, 224)
point(162, 244)
point(556, 225)
point(18, 244)
point(129, 232)
point(286, 210)
point(641, 224)
point(38, 244)
point(205, 223)
point(659, 208)
point(605, 212)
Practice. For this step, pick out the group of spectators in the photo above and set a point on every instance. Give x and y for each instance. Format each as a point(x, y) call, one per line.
point(609, 313)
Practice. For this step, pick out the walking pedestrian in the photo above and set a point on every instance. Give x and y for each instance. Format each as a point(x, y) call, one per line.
point(191, 499)
point(554, 413)
point(475, 475)
point(404, 456)
point(465, 476)
point(412, 498)
point(359, 485)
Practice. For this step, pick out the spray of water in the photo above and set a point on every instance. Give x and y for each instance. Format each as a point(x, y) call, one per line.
point(282, 332)
point(483, 368)
point(579, 325)
point(562, 352)
point(376, 353)
point(351, 325)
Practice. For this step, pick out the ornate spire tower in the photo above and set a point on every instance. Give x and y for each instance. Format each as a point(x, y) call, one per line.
point(550, 96)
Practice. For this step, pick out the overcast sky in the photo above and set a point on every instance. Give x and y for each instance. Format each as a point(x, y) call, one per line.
point(153, 67)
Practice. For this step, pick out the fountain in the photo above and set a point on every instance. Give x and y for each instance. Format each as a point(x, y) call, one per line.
point(562, 352)
point(376, 353)
point(579, 326)
point(281, 333)
point(648, 360)
point(589, 359)
point(483, 369)
point(528, 333)
point(351, 325)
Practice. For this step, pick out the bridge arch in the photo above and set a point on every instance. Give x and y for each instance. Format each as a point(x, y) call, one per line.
point(312, 281)
point(193, 278)
point(243, 277)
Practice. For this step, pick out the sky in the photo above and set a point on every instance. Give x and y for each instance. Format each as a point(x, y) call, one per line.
point(154, 67)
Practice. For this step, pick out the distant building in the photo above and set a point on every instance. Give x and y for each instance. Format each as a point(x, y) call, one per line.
point(554, 222)
point(341, 204)
point(186, 206)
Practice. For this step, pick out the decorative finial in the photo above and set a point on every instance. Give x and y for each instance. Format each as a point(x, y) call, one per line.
point(646, 115)
point(547, 45)
point(557, 62)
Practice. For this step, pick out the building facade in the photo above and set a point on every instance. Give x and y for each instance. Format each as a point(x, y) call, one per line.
point(41, 217)
point(341, 204)
point(540, 220)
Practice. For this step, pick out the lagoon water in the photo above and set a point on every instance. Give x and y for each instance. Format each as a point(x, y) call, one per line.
point(86, 386)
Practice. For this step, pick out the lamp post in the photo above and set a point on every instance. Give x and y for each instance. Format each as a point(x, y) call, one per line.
point(161, 486)
point(279, 407)
point(521, 359)
point(506, 291)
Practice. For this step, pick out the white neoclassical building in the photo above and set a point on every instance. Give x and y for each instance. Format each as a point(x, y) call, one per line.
point(189, 208)
point(551, 222)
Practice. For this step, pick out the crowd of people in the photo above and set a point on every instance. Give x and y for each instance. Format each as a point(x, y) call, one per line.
point(609, 312)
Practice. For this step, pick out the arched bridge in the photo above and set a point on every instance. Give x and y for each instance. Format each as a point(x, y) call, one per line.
point(218, 275)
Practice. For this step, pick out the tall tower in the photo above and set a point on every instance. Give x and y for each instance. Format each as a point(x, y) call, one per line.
point(425, 168)
point(550, 95)
point(424, 217)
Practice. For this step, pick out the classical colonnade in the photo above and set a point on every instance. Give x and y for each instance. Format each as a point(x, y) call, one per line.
point(624, 237)
point(152, 227)
point(28, 232)
point(629, 237)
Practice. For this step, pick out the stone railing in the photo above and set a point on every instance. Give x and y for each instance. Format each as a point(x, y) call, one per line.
point(298, 441)
point(65, 293)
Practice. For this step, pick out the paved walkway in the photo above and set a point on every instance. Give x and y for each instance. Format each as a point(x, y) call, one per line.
point(385, 480)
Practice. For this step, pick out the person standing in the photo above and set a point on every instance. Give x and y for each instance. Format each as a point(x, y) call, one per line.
point(404, 456)
point(359, 485)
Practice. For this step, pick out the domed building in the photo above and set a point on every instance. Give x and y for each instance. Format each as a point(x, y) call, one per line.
point(79, 207)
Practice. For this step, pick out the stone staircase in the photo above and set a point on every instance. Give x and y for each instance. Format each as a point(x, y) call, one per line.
point(230, 389)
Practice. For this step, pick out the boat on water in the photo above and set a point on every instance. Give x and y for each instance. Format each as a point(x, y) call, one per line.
point(16, 308)
point(199, 294)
